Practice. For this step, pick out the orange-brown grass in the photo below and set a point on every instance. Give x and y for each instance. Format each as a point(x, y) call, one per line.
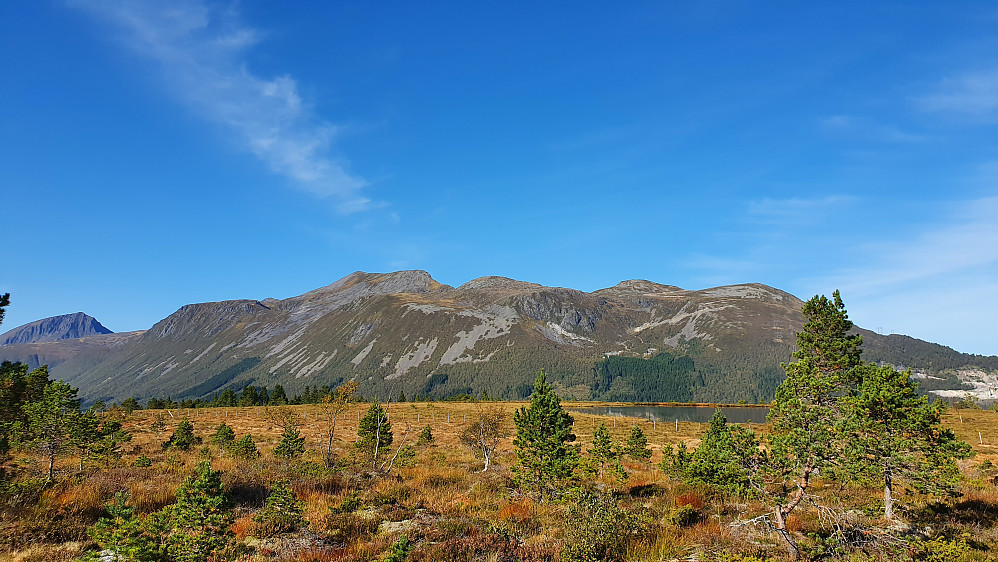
point(445, 494)
point(242, 527)
point(691, 499)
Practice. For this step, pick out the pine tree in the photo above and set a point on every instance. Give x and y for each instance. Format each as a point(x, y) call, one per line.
point(637, 445)
point(224, 435)
point(282, 512)
point(292, 444)
point(605, 454)
point(183, 437)
point(896, 435)
point(374, 433)
point(543, 434)
point(718, 460)
point(52, 422)
point(124, 533)
point(244, 448)
point(807, 408)
point(278, 396)
point(249, 396)
point(129, 405)
point(200, 518)
point(4, 303)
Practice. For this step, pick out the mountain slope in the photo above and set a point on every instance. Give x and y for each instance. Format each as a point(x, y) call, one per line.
point(66, 326)
point(403, 331)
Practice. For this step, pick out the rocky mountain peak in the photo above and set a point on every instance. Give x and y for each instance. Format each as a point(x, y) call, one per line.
point(66, 326)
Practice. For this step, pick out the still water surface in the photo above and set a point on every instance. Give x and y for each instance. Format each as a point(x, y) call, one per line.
point(735, 414)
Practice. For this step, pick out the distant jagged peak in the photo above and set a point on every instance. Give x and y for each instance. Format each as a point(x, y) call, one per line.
point(644, 287)
point(65, 326)
point(495, 282)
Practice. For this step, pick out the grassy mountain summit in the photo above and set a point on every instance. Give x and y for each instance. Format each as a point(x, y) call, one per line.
point(404, 331)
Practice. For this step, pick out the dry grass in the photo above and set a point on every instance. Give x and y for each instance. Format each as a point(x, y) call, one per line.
point(444, 503)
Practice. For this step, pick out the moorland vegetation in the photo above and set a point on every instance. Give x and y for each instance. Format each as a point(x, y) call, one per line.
point(853, 465)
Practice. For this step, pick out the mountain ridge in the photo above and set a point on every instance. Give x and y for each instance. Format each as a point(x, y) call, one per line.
point(404, 331)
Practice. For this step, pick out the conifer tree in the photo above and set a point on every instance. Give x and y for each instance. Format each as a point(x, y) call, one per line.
point(282, 512)
point(278, 397)
point(292, 444)
point(244, 448)
point(605, 455)
point(374, 433)
point(718, 460)
point(249, 396)
point(124, 533)
point(4, 303)
point(807, 407)
point(897, 436)
point(224, 435)
point(200, 519)
point(183, 437)
point(543, 434)
point(110, 437)
point(52, 422)
point(637, 445)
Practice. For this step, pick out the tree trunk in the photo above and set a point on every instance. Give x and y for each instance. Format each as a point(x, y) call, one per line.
point(781, 529)
point(51, 476)
point(888, 489)
point(329, 444)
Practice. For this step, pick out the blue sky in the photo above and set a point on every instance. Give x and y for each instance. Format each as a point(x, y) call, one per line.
point(154, 154)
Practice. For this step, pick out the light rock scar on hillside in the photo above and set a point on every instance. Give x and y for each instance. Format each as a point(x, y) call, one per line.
point(422, 352)
point(556, 333)
point(363, 353)
point(690, 316)
point(495, 323)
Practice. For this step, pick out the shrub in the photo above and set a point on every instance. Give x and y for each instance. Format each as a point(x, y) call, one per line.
point(244, 449)
point(684, 516)
point(400, 549)
point(407, 457)
point(224, 435)
point(425, 436)
point(126, 535)
point(282, 513)
point(292, 444)
point(342, 527)
point(143, 461)
point(943, 550)
point(599, 528)
point(183, 437)
point(350, 503)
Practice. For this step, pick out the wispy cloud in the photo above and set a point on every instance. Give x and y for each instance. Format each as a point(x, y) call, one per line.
point(967, 240)
point(972, 94)
point(803, 207)
point(938, 285)
point(868, 130)
point(201, 54)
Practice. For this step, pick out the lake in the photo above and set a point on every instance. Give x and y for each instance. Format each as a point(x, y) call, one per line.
point(699, 414)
